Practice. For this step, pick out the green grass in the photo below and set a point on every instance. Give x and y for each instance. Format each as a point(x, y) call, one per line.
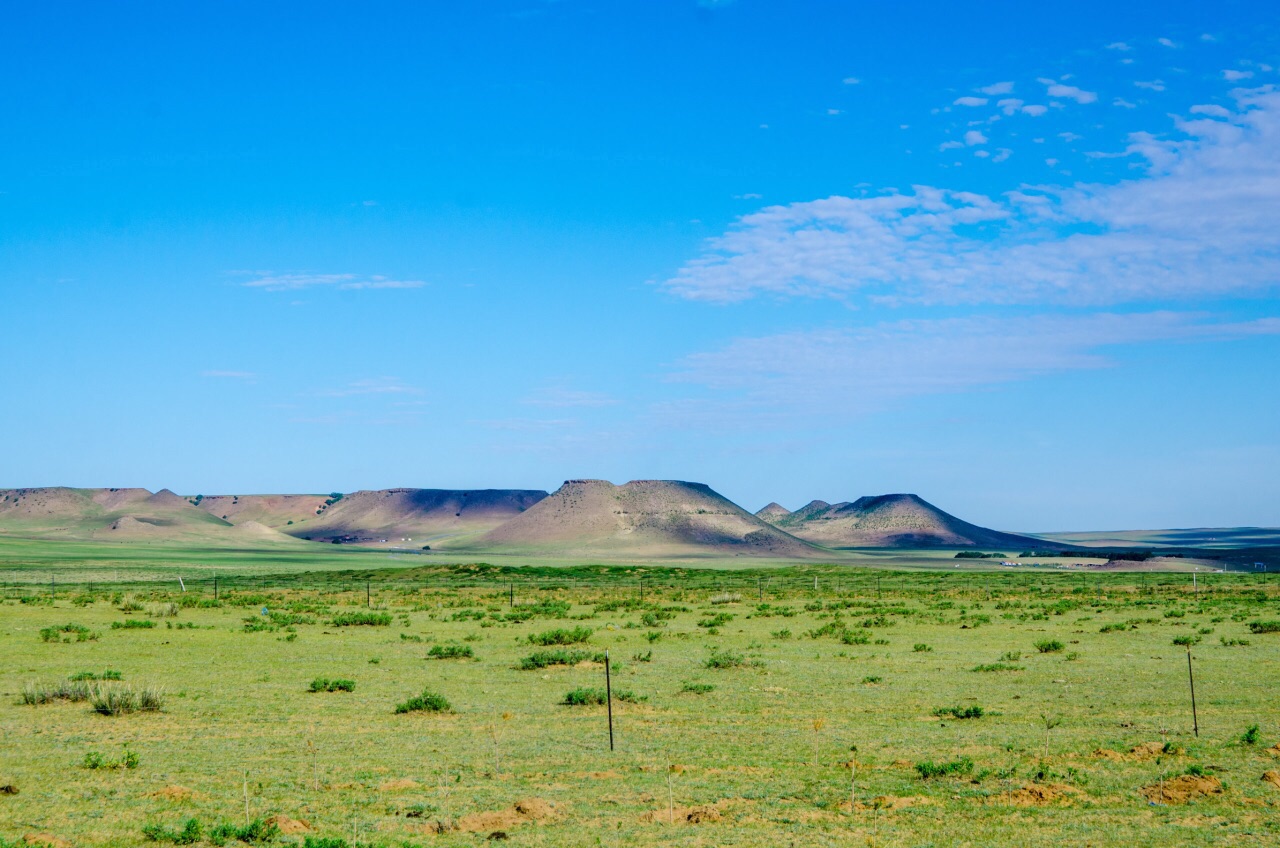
point(766, 736)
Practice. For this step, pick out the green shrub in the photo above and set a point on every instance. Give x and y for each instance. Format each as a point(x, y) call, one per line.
point(427, 702)
point(697, 688)
point(872, 678)
point(921, 648)
point(1251, 735)
point(558, 656)
point(929, 769)
point(324, 684)
point(717, 620)
point(722, 659)
point(586, 696)
point(190, 834)
point(133, 624)
point(959, 712)
point(359, 619)
point(997, 667)
point(561, 636)
point(55, 633)
point(34, 694)
point(95, 761)
point(1186, 640)
point(1049, 646)
point(122, 700)
point(1264, 627)
point(254, 832)
point(450, 652)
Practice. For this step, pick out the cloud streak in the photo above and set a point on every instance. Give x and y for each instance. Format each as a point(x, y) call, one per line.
point(296, 280)
point(1198, 223)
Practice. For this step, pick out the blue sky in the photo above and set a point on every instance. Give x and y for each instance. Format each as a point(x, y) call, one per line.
point(1021, 261)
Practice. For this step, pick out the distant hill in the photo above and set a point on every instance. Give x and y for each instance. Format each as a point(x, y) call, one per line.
point(773, 512)
point(112, 515)
point(888, 521)
point(425, 516)
point(643, 518)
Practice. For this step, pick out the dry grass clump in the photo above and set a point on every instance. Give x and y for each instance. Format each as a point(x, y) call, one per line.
point(35, 694)
point(123, 700)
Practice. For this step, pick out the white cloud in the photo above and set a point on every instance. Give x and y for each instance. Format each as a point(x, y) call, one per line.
point(835, 111)
point(372, 386)
point(1034, 110)
point(229, 375)
point(997, 88)
point(949, 145)
point(851, 81)
point(292, 281)
point(1069, 137)
point(973, 137)
point(970, 101)
point(1119, 45)
point(1197, 222)
point(1069, 92)
point(751, 195)
point(1167, 42)
point(1009, 105)
point(1150, 85)
point(826, 372)
point(1236, 76)
point(1213, 111)
point(1121, 102)
point(1002, 153)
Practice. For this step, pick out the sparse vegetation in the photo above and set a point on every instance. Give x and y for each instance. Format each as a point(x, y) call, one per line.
point(561, 636)
point(451, 652)
point(324, 684)
point(426, 702)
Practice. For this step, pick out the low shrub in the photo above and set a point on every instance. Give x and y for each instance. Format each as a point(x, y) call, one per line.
point(586, 696)
point(1259, 627)
point(34, 694)
point(1186, 640)
point(717, 620)
point(133, 624)
point(450, 652)
point(95, 761)
point(561, 636)
point(1049, 646)
point(109, 674)
point(254, 832)
point(959, 712)
point(191, 833)
point(697, 688)
point(921, 648)
point(122, 700)
point(55, 633)
point(427, 702)
point(361, 619)
point(324, 684)
point(558, 656)
point(1251, 735)
point(997, 666)
point(722, 659)
point(929, 769)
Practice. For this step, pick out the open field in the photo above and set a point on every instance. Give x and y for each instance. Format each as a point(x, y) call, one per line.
point(739, 731)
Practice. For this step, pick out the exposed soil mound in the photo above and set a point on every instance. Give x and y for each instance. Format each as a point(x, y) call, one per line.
point(1182, 789)
point(1272, 777)
point(287, 825)
point(1274, 751)
point(398, 785)
point(700, 814)
point(890, 521)
point(528, 811)
point(890, 803)
point(1040, 794)
point(47, 840)
point(1146, 751)
point(644, 518)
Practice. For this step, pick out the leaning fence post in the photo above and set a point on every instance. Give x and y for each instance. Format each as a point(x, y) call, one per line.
point(608, 696)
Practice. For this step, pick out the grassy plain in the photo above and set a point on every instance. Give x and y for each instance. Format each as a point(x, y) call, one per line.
point(755, 753)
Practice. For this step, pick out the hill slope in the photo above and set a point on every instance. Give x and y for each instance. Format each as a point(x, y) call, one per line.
point(108, 514)
point(891, 521)
point(643, 518)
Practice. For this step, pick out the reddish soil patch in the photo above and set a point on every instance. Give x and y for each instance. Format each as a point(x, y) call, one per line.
point(890, 802)
point(1039, 794)
point(528, 811)
point(288, 825)
point(1182, 789)
point(46, 840)
point(174, 793)
point(1274, 750)
point(1272, 777)
point(1146, 751)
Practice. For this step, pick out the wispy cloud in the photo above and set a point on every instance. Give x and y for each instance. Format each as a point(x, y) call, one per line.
point(372, 386)
point(294, 280)
point(1167, 42)
point(970, 101)
point(1068, 92)
point(834, 372)
point(1236, 76)
point(998, 88)
point(851, 81)
point(1150, 85)
point(1119, 45)
point(561, 397)
point(1198, 222)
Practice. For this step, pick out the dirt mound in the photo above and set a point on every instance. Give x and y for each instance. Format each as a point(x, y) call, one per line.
point(1039, 794)
point(1108, 754)
point(1274, 750)
point(643, 518)
point(174, 792)
point(47, 840)
point(700, 814)
point(397, 785)
point(288, 825)
point(890, 802)
point(889, 521)
point(1182, 789)
point(1272, 777)
point(1146, 751)
point(527, 811)
point(8, 789)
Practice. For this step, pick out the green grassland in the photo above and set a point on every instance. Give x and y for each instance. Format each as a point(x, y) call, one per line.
point(746, 693)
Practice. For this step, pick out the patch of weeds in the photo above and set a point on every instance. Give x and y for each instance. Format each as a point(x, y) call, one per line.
point(324, 684)
point(254, 832)
point(929, 769)
point(450, 652)
point(653, 636)
point(123, 700)
point(698, 688)
point(361, 619)
point(409, 637)
point(1233, 643)
point(959, 712)
point(784, 633)
point(561, 636)
point(587, 696)
point(559, 656)
point(718, 620)
point(1011, 656)
point(921, 648)
point(34, 694)
point(997, 666)
point(192, 832)
point(1049, 646)
point(55, 633)
point(872, 679)
point(647, 656)
point(1186, 640)
point(1250, 736)
point(1259, 627)
point(96, 761)
point(427, 702)
point(133, 624)
point(722, 659)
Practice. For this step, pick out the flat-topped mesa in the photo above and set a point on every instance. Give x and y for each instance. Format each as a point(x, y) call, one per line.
point(643, 518)
point(896, 520)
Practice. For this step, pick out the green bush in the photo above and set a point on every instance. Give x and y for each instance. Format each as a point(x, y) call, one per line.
point(133, 624)
point(722, 659)
point(324, 684)
point(1186, 641)
point(1264, 627)
point(697, 688)
point(586, 696)
point(929, 769)
point(427, 702)
point(558, 656)
point(921, 648)
point(359, 619)
point(997, 667)
point(561, 636)
point(254, 832)
point(95, 761)
point(1251, 735)
point(450, 652)
point(959, 712)
point(122, 700)
point(1049, 646)
point(190, 834)
point(54, 633)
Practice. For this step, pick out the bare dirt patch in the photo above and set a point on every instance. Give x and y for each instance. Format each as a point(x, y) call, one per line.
point(288, 825)
point(1040, 794)
point(1272, 777)
point(1146, 751)
point(174, 792)
point(47, 840)
point(890, 803)
point(527, 811)
point(398, 785)
point(1274, 750)
point(1182, 789)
